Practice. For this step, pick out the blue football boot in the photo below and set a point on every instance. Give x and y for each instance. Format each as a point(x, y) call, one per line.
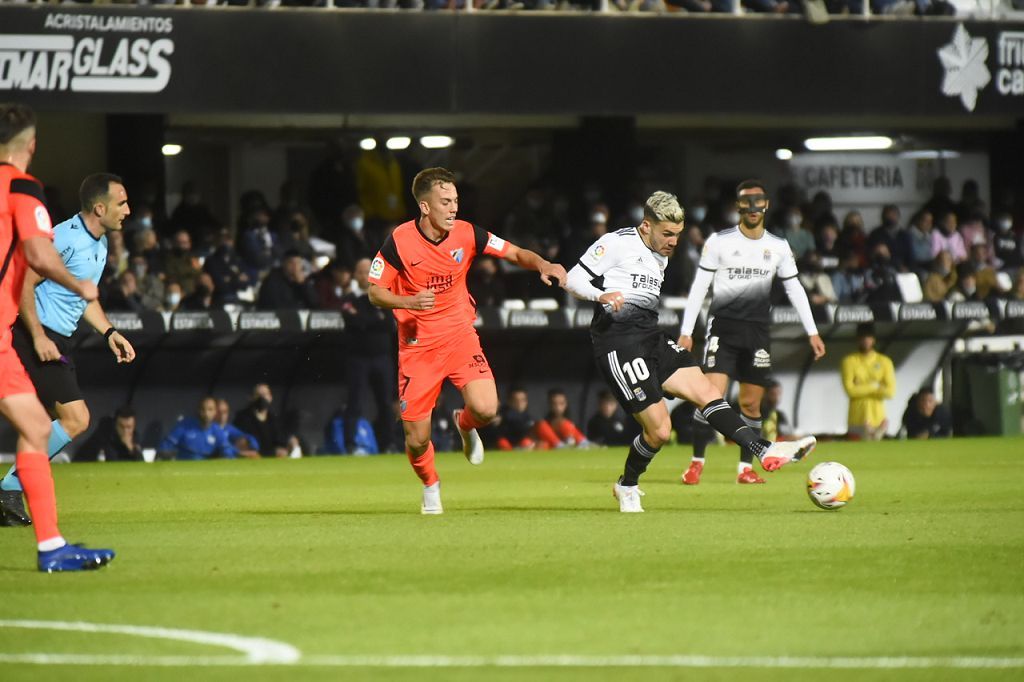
point(74, 558)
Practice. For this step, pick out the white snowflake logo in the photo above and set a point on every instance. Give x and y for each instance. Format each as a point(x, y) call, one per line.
point(964, 61)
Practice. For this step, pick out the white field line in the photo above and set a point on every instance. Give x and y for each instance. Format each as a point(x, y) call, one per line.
point(259, 651)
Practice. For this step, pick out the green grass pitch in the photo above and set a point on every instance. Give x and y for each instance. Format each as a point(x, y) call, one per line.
point(532, 560)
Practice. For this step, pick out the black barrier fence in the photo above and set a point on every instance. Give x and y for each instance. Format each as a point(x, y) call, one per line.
point(301, 354)
point(149, 60)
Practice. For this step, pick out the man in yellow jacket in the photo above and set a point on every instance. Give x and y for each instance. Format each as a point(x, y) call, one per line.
point(869, 380)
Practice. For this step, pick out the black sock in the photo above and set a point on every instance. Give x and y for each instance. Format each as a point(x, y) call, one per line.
point(703, 435)
point(640, 455)
point(754, 423)
point(728, 423)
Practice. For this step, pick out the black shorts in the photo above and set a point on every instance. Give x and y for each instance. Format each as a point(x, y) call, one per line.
point(55, 381)
point(741, 350)
point(635, 369)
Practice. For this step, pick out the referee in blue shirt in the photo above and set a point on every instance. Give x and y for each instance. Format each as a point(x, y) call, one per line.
point(49, 315)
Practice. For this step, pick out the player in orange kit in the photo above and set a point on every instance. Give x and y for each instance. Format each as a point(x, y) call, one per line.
point(26, 240)
point(420, 273)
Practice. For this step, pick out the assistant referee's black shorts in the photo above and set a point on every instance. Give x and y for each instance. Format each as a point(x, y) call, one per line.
point(55, 381)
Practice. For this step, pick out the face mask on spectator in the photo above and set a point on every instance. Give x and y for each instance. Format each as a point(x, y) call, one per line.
point(698, 213)
point(1004, 224)
point(636, 214)
point(139, 269)
point(261, 404)
point(597, 218)
point(146, 222)
point(356, 224)
point(793, 220)
point(173, 299)
point(733, 218)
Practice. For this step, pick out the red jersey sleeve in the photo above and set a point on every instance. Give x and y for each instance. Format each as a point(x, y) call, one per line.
point(29, 210)
point(488, 244)
point(386, 264)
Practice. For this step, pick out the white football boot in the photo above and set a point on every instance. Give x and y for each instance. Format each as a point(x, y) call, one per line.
point(472, 446)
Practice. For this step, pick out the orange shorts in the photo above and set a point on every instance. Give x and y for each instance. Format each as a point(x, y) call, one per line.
point(13, 377)
point(422, 371)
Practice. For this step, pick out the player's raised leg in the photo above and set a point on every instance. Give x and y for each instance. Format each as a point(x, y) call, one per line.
point(72, 420)
point(691, 384)
point(481, 397)
point(27, 415)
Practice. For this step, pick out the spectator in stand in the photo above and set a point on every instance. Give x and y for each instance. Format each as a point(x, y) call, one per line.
point(203, 297)
point(880, 277)
point(115, 440)
point(180, 264)
point(974, 232)
point(245, 443)
point(971, 204)
point(947, 238)
point(828, 247)
point(610, 426)
point(1007, 244)
point(486, 285)
point(124, 297)
point(332, 185)
point(194, 216)
point(848, 280)
point(142, 218)
point(226, 269)
point(117, 254)
point(940, 279)
point(369, 359)
point(172, 297)
point(251, 202)
point(257, 419)
point(332, 285)
point(514, 423)
point(1017, 292)
point(150, 287)
point(148, 246)
point(557, 430)
point(287, 287)
point(815, 281)
point(917, 243)
point(531, 220)
point(821, 211)
point(926, 418)
point(257, 247)
point(966, 287)
point(349, 237)
point(796, 233)
point(579, 240)
point(288, 203)
point(681, 270)
point(869, 380)
point(985, 277)
point(198, 437)
point(890, 233)
point(852, 238)
point(293, 235)
point(940, 203)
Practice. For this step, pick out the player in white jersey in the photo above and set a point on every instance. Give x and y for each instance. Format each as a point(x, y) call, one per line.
point(639, 361)
point(742, 261)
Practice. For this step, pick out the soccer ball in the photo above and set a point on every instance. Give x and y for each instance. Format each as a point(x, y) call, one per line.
point(830, 485)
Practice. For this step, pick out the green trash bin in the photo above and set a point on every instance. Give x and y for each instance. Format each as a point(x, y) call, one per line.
point(994, 394)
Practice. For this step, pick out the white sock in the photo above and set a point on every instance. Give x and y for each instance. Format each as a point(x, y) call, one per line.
point(743, 466)
point(436, 485)
point(697, 459)
point(52, 544)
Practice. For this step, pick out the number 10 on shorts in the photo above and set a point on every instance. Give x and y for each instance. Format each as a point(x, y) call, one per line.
point(636, 370)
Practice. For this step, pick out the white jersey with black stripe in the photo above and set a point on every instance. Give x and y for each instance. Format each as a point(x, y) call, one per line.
point(743, 272)
point(628, 265)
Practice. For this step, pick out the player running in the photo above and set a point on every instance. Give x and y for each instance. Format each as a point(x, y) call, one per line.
point(640, 362)
point(26, 240)
point(742, 261)
point(420, 272)
point(49, 315)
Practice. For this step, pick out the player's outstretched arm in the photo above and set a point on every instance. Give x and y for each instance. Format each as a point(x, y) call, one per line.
point(46, 349)
point(45, 260)
point(525, 258)
point(578, 283)
point(119, 345)
point(385, 298)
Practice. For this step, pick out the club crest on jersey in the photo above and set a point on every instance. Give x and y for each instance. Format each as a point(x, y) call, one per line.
point(377, 268)
point(598, 251)
point(404, 404)
point(457, 254)
point(767, 256)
